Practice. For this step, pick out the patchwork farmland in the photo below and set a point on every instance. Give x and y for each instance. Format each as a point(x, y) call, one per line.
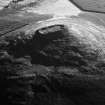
point(90, 5)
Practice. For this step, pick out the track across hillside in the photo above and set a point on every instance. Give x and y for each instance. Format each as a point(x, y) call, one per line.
point(9, 26)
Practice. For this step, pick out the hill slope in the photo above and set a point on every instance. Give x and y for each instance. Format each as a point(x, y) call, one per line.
point(57, 60)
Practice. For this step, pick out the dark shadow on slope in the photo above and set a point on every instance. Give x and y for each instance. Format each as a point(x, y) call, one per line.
point(42, 83)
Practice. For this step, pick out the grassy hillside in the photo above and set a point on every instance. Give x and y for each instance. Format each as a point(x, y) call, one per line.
point(51, 66)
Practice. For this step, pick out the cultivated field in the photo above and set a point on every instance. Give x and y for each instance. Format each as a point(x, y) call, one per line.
point(91, 5)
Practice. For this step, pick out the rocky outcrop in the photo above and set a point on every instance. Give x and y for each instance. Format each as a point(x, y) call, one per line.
point(58, 45)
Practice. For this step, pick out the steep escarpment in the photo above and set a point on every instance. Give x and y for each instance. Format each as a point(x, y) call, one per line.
point(53, 63)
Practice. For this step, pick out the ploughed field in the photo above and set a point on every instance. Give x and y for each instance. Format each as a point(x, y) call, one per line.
point(90, 5)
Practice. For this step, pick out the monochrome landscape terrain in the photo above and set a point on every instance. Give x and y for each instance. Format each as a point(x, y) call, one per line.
point(52, 52)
